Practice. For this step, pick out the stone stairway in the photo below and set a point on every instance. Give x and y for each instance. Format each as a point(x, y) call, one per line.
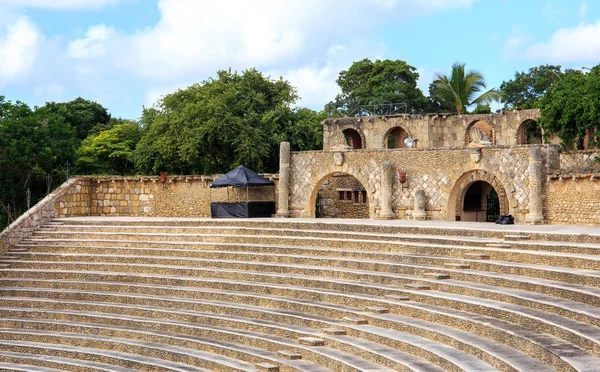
point(122, 294)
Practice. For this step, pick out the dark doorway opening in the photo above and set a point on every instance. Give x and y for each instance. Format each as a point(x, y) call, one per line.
point(481, 203)
point(492, 210)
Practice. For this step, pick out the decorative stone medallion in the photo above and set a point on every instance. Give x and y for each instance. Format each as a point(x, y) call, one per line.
point(338, 158)
point(475, 154)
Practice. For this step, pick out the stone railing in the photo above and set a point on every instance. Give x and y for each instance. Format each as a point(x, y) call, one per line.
point(66, 199)
point(579, 161)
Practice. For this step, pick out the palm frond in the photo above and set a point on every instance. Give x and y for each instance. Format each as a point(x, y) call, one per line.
point(492, 95)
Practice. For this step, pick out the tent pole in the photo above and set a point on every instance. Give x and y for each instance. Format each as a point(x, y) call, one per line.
point(247, 194)
point(227, 187)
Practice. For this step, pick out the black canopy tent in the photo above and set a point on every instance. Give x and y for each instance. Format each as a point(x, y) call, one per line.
point(237, 178)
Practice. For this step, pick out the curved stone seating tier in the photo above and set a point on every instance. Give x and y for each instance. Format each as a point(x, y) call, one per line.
point(126, 294)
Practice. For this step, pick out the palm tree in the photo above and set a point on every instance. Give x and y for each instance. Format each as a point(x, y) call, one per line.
point(460, 90)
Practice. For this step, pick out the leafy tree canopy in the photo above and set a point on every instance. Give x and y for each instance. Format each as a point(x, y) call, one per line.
point(527, 88)
point(32, 144)
point(82, 114)
point(109, 151)
point(462, 89)
point(367, 83)
point(571, 108)
point(223, 122)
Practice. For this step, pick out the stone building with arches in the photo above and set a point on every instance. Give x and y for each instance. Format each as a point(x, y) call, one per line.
point(463, 168)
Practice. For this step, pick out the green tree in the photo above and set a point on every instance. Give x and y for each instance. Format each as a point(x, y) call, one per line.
point(387, 81)
point(32, 144)
point(305, 131)
point(109, 151)
point(527, 88)
point(571, 108)
point(462, 89)
point(220, 123)
point(82, 114)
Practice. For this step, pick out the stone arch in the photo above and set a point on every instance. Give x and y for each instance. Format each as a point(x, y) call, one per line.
point(396, 135)
point(315, 191)
point(355, 139)
point(462, 185)
point(487, 128)
point(529, 132)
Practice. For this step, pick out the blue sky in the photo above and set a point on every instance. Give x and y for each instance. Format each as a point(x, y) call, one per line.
point(127, 53)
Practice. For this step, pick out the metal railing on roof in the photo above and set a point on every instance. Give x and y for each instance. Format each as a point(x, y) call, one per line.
point(376, 109)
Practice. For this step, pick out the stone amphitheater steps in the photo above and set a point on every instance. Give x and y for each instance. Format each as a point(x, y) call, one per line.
point(394, 262)
point(499, 299)
point(449, 358)
point(26, 368)
point(34, 362)
point(60, 350)
point(253, 231)
point(351, 226)
point(550, 246)
point(264, 262)
point(218, 352)
point(406, 308)
point(566, 259)
point(167, 357)
point(398, 360)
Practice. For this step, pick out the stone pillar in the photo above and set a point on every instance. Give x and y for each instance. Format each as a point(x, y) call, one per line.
point(283, 209)
point(420, 204)
point(387, 181)
point(536, 203)
point(553, 158)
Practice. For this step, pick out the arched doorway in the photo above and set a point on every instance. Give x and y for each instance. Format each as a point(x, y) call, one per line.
point(486, 128)
point(394, 138)
point(340, 195)
point(477, 196)
point(481, 203)
point(353, 138)
point(529, 133)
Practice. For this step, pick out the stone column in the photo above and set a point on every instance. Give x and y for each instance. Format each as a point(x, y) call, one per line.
point(387, 181)
point(536, 203)
point(284, 180)
point(553, 158)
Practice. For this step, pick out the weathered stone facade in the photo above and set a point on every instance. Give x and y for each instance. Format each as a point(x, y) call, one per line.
point(432, 130)
point(446, 163)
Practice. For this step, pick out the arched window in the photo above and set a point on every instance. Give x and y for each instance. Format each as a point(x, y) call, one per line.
point(485, 127)
point(394, 139)
point(529, 133)
point(353, 138)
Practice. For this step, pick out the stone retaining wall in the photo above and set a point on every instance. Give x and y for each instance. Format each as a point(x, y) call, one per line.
point(71, 198)
point(573, 199)
point(180, 196)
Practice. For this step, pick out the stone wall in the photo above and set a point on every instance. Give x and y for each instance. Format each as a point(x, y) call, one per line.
point(180, 196)
point(436, 171)
point(431, 130)
point(71, 198)
point(578, 161)
point(573, 200)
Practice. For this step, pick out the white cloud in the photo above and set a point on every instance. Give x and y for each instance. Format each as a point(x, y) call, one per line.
point(94, 43)
point(317, 83)
point(306, 41)
point(195, 38)
point(19, 44)
point(577, 44)
point(57, 4)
